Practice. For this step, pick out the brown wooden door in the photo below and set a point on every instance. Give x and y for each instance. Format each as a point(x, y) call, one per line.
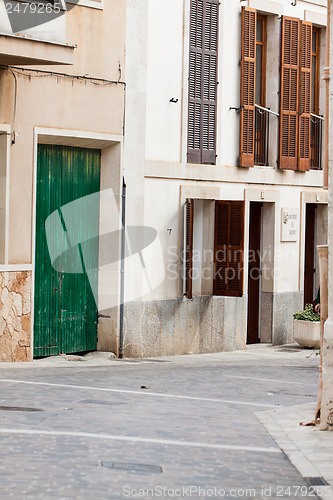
point(309, 258)
point(254, 276)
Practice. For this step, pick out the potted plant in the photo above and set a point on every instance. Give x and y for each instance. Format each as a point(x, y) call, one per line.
point(307, 327)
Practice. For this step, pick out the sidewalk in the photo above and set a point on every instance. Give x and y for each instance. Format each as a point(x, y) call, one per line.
point(309, 449)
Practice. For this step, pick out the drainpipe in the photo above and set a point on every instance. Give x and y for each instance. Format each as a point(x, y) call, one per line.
point(326, 77)
point(122, 271)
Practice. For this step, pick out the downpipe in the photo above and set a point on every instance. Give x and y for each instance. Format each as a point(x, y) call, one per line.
point(122, 271)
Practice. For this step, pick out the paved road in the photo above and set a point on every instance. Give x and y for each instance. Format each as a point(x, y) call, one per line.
point(192, 416)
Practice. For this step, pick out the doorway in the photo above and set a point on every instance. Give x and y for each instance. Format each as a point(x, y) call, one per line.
point(65, 310)
point(310, 253)
point(254, 273)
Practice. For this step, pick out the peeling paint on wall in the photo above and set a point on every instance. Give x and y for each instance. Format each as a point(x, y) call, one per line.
point(15, 316)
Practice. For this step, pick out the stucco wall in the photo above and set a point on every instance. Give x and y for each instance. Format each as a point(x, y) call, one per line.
point(46, 100)
point(79, 105)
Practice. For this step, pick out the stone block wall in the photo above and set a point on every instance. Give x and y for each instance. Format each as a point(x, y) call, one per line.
point(181, 326)
point(15, 316)
point(284, 306)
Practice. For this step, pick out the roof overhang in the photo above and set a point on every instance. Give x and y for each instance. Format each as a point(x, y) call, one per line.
point(18, 50)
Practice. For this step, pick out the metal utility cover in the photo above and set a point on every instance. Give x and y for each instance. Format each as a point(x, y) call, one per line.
point(133, 467)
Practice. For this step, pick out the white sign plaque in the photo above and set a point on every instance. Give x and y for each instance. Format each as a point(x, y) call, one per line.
point(289, 224)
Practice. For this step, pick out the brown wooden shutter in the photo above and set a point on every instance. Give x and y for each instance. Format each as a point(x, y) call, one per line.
point(209, 81)
point(305, 96)
point(201, 142)
point(248, 78)
point(229, 248)
point(289, 97)
point(189, 209)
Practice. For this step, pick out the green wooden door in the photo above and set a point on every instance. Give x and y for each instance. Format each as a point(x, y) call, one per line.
point(65, 312)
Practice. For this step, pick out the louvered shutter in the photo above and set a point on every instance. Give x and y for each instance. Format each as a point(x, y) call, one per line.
point(229, 248)
point(194, 139)
point(305, 96)
point(247, 97)
point(209, 81)
point(289, 99)
point(188, 227)
point(201, 142)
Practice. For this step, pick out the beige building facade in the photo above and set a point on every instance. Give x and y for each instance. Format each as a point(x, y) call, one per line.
point(62, 85)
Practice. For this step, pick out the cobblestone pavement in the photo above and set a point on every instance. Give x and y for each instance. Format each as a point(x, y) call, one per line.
point(63, 424)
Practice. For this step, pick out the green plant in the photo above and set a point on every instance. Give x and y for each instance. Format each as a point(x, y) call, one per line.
point(308, 314)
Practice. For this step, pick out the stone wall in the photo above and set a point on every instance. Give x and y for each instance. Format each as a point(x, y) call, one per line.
point(205, 324)
point(15, 316)
point(284, 306)
point(181, 326)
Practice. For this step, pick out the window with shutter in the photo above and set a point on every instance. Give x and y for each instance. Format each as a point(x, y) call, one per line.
point(305, 97)
point(261, 139)
point(229, 248)
point(248, 90)
point(289, 98)
point(188, 226)
point(201, 146)
point(316, 121)
point(295, 94)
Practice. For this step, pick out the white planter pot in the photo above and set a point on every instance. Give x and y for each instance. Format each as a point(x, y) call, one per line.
point(307, 333)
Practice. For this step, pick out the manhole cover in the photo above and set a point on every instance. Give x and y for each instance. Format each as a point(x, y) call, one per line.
point(316, 481)
point(133, 467)
point(18, 408)
point(101, 402)
point(143, 360)
point(292, 349)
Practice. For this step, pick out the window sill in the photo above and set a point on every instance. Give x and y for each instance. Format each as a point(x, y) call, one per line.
point(264, 167)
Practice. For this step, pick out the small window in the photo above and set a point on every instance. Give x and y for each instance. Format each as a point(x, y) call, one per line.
point(316, 119)
point(295, 94)
point(213, 257)
point(261, 116)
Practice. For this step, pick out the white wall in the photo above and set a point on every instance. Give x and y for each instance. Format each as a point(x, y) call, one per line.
point(155, 139)
point(229, 84)
point(164, 80)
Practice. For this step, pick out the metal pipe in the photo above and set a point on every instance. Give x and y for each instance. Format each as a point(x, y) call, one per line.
point(267, 110)
point(326, 77)
point(319, 117)
point(122, 271)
